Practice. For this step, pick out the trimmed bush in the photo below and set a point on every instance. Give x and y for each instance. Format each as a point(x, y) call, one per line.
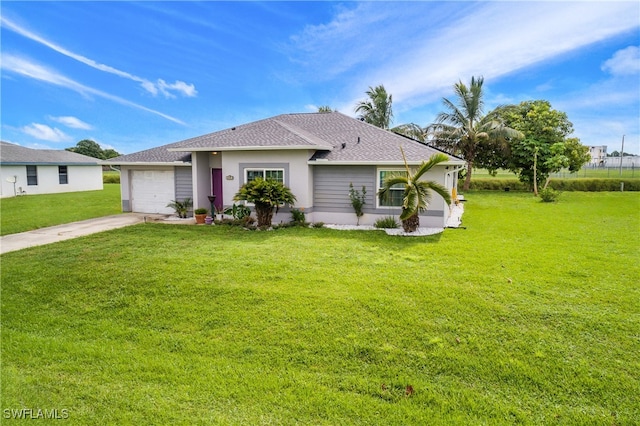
point(111, 178)
point(581, 184)
point(594, 185)
point(494, 184)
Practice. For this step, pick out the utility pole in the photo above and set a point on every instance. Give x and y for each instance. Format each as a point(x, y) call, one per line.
point(621, 155)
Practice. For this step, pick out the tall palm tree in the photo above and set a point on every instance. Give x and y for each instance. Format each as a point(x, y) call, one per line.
point(377, 109)
point(417, 192)
point(464, 127)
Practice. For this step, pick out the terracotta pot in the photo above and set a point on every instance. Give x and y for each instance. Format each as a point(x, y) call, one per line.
point(200, 218)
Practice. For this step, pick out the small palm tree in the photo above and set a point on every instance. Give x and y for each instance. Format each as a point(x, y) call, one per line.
point(267, 195)
point(377, 109)
point(181, 207)
point(417, 192)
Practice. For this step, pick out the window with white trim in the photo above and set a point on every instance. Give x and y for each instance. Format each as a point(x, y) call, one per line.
point(251, 174)
point(393, 197)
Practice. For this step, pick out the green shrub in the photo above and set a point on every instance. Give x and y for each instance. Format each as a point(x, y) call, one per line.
point(318, 225)
point(297, 217)
point(111, 178)
point(357, 200)
point(181, 207)
point(494, 184)
point(386, 222)
point(549, 195)
point(594, 184)
point(574, 184)
point(200, 210)
point(238, 211)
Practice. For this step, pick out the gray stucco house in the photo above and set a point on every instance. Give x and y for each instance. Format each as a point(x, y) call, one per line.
point(317, 155)
point(46, 171)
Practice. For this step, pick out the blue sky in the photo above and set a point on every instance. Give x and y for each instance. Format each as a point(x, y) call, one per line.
point(132, 76)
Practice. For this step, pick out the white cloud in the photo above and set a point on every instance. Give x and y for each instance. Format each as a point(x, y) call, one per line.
point(624, 62)
point(72, 122)
point(149, 86)
point(45, 133)
point(418, 53)
point(188, 90)
point(29, 69)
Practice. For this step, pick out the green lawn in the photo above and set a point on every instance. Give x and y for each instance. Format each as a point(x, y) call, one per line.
point(531, 315)
point(20, 214)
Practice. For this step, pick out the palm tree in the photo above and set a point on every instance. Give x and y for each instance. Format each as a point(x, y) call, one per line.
point(377, 109)
point(411, 130)
point(417, 192)
point(267, 195)
point(464, 127)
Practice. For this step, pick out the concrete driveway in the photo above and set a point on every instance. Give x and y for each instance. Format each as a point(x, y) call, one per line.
point(57, 233)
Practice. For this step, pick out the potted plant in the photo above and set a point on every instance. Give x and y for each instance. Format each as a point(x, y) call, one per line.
point(200, 214)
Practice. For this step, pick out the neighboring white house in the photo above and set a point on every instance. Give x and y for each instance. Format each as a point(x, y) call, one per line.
point(317, 155)
point(46, 171)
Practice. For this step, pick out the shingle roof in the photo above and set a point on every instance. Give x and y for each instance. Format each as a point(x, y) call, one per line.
point(333, 136)
point(160, 154)
point(19, 155)
point(275, 132)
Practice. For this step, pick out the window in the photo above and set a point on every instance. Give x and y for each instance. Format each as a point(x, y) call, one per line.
point(62, 175)
point(275, 174)
point(394, 197)
point(32, 175)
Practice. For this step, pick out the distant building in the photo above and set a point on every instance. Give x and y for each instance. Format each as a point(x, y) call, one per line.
point(598, 155)
point(46, 171)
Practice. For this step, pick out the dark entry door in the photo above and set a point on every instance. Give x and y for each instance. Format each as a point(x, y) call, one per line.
point(216, 187)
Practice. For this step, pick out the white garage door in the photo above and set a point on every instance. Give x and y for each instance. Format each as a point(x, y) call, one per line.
point(152, 190)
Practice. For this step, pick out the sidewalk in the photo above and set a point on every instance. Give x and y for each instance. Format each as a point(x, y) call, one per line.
point(67, 231)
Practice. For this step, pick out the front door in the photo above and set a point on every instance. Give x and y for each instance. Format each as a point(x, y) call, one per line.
point(216, 187)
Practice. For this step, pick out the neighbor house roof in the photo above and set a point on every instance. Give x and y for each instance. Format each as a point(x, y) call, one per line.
point(334, 138)
point(11, 154)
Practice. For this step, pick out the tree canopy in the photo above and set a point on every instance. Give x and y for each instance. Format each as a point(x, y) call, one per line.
point(545, 148)
point(93, 149)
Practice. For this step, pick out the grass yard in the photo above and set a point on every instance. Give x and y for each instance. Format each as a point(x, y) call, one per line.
point(531, 315)
point(29, 212)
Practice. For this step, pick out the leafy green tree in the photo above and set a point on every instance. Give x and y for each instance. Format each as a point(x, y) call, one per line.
point(110, 153)
point(417, 192)
point(325, 108)
point(267, 196)
point(545, 148)
point(464, 128)
point(93, 149)
point(377, 109)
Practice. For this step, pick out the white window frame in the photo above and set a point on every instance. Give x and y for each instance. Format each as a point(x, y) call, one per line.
point(264, 171)
point(378, 185)
point(64, 175)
